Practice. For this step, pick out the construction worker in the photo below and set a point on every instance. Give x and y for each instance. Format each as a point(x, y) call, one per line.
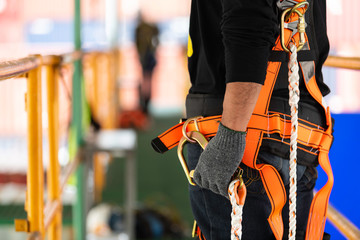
point(147, 41)
point(230, 45)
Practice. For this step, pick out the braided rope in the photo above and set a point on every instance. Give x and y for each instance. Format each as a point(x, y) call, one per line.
point(237, 210)
point(294, 97)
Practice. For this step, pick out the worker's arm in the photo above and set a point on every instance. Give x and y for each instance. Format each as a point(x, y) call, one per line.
point(239, 102)
point(224, 152)
point(248, 29)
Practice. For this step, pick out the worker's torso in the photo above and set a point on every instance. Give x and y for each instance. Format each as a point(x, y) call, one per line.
point(207, 68)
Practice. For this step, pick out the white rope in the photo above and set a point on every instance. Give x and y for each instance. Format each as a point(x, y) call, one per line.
point(236, 213)
point(294, 97)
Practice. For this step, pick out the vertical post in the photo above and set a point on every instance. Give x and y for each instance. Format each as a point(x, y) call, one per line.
point(111, 25)
point(53, 173)
point(130, 193)
point(94, 69)
point(79, 208)
point(35, 174)
point(99, 175)
point(77, 78)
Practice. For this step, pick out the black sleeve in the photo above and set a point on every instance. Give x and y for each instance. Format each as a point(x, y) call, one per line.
point(249, 28)
point(322, 42)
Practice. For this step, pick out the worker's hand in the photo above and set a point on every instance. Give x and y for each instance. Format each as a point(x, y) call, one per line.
point(220, 160)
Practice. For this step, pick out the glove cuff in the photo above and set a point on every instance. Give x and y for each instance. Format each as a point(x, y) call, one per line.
point(227, 138)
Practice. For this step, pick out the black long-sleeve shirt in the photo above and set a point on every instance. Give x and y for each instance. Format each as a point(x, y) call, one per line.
point(232, 41)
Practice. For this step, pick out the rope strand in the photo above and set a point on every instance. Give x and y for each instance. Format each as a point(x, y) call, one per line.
point(237, 203)
point(294, 97)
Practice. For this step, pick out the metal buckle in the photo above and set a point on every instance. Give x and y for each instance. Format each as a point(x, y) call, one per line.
point(193, 137)
point(301, 25)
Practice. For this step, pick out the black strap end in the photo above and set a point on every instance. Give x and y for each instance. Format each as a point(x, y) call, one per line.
point(158, 145)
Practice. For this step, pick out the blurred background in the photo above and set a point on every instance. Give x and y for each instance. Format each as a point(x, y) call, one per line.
point(47, 27)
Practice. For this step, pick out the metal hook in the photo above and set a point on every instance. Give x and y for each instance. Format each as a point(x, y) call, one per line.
point(301, 25)
point(194, 119)
point(195, 136)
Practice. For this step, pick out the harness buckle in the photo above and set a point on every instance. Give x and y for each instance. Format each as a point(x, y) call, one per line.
point(300, 27)
point(192, 137)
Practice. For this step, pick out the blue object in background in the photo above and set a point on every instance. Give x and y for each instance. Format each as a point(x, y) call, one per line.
point(345, 159)
point(44, 30)
point(51, 31)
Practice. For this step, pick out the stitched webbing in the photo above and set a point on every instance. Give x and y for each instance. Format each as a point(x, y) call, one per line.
point(309, 135)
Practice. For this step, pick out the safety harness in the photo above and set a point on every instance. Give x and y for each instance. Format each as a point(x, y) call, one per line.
point(276, 127)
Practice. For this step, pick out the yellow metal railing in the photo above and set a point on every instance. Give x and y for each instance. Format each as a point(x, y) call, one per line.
point(46, 217)
point(53, 210)
point(102, 74)
point(343, 62)
point(15, 68)
point(347, 228)
point(30, 68)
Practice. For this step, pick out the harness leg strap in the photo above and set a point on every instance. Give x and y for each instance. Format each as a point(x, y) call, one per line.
point(271, 180)
point(273, 184)
point(319, 205)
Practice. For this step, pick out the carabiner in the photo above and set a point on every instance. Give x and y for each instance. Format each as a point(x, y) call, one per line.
point(238, 175)
point(196, 137)
point(301, 25)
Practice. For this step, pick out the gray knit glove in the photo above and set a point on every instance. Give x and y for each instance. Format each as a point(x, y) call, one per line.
point(220, 160)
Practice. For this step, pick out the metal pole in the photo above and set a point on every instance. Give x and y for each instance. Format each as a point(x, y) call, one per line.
point(94, 70)
point(112, 32)
point(79, 209)
point(14, 68)
point(51, 210)
point(343, 62)
point(130, 192)
point(35, 174)
point(111, 22)
point(53, 173)
point(344, 225)
point(99, 176)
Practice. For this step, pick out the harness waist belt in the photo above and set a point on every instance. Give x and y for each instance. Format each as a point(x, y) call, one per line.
point(309, 134)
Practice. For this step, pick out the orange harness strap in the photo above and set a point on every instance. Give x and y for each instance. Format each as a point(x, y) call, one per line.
point(309, 134)
point(319, 205)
